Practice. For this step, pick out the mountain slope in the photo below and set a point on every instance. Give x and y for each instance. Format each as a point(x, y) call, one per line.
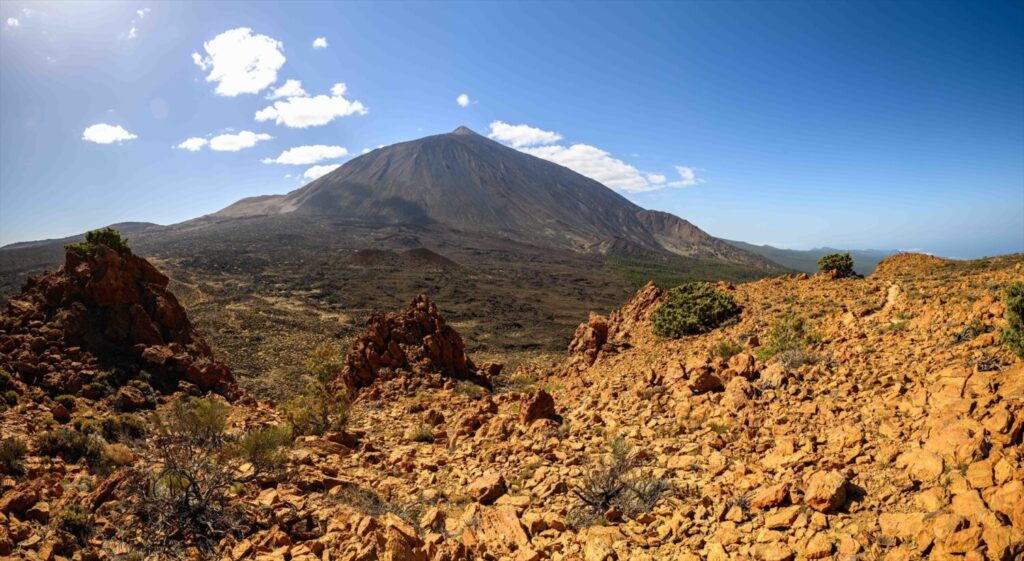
point(468, 182)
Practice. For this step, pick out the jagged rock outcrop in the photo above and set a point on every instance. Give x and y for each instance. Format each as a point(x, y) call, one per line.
point(105, 310)
point(600, 334)
point(417, 340)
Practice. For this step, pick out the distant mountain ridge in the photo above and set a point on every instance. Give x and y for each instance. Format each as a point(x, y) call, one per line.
point(864, 260)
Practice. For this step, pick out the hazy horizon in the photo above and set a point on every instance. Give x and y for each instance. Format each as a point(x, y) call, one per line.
point(889, 126)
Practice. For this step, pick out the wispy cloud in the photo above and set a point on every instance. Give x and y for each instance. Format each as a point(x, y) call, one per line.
point(591, 161)
point(463, 100)
point(227, 142)
point(291, 88)
point(316, 172)
point(519, 136)
point(311, 154)
point(320, 43)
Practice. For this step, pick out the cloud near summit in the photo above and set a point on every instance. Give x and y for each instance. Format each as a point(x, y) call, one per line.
point(588, 160)
point(303, 111)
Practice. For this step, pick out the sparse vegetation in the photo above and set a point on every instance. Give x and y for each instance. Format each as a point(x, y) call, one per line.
point(470, 390)
point(839, 264)
point(266, 448)
point(71, 445)
point(75, 520)
point(1013, 334)
point(615, 482)
point(422, 433)
point(104, 236)
point(321, 407)
point(726, 349)
point(12, 451)
point(787, 340)
point(186, 498)
point(691, 309)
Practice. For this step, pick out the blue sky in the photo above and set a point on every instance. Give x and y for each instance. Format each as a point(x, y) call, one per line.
point(889, 125)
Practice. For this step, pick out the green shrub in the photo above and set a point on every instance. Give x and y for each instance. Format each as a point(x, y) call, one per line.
point(787, 339)
point(1013, 333)
point(119, 428)
point(201, 420)
point(322, 407)
point(75, 520)
point(68, 401)
point(70, 445)
point(422, 433)
point(104, 236)
point(841, 263)
point(265, 448)
point(727, 349)
point(12, 451)
point(691, 309)
point(6, 381)
point(470, 390)
point(11, 397)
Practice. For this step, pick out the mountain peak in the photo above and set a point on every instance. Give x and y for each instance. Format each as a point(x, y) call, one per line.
point(465, 130)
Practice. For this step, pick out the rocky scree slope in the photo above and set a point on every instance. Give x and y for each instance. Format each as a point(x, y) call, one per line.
point(896, 436)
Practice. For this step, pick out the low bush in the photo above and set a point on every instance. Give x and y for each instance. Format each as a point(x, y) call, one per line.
point(104, 236)
point(186, 498)
point(6, 381)
point(727, 349)
point(787, 338)
point(117, 455)
point(841, 264)
point(265, 448)
point(422, 433)
point(71, 445)
point(123, 427)
point(67, 401)
point(691, 309)
point(1013, 334)
point(615, 481)
point(12, 452)
point(322, 407)
point(75, 520)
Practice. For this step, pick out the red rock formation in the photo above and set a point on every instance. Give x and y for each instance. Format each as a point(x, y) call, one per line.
point(416, 339)
point(105, 310)
point(605, 334)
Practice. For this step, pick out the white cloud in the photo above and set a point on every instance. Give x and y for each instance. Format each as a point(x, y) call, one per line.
point(687, 177)
point(302, 112)
point(193, 144)
point(142, 13)
point(317, 172)
point(304, 155)
point(291, 88)
point(656, 178)
point(13, 22)
point(103, 133)
point(462, 100)
point(236, 142)
point(320, 43)
point(133, 33)
point(595, 164)
point(519, 136)
point(240, 62)
point(366, 150)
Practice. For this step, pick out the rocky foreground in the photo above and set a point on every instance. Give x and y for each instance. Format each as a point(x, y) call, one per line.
point(893, 432)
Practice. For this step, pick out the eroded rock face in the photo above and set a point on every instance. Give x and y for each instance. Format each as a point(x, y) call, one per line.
point(105, 310)
point(416, 339)
point(600, 334)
